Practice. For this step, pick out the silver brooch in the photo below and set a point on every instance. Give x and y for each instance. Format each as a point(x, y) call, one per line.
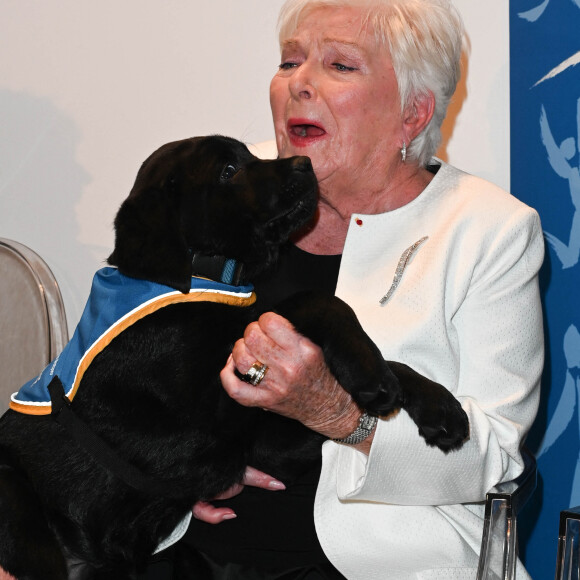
point(403, 261)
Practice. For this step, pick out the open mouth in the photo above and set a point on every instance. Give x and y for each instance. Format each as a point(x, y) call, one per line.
point(307, 131)
point(299, 129)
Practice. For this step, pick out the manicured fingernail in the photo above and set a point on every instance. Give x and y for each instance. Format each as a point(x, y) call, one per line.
point(275, 484)
point(229, 516)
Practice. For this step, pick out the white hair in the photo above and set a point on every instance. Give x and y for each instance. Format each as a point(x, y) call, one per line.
point(425, 41)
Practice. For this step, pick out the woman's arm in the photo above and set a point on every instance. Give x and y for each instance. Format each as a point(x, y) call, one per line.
point(298, 384)
point(494, 324)
point(296, 373)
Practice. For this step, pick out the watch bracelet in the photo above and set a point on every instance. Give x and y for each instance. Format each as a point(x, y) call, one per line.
point(366, 425)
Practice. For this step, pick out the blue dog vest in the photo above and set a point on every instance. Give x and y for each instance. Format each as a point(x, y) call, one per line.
point(115, 303)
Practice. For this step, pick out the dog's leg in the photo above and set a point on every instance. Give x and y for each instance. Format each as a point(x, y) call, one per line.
point(28, 548)
point(378, 386)
point(441, 420)
point(350, 354)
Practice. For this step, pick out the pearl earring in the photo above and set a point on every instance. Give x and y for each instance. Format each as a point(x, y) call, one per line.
point(404, 152)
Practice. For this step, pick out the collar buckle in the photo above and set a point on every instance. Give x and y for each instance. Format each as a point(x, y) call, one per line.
point(217, 268)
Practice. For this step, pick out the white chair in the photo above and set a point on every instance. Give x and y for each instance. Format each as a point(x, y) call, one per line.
point(33, 327)
point(499, 545)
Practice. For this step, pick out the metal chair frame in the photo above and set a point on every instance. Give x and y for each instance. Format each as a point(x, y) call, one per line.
point(568, 558)
point(499, 548)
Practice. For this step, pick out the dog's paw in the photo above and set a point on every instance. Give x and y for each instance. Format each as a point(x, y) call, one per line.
point(379, 394)
point(437, 413)
point(442, 422)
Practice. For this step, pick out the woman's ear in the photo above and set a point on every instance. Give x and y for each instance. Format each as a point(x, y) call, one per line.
point(418, 115)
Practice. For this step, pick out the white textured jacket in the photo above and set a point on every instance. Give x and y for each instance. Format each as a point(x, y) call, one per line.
point(467, 314)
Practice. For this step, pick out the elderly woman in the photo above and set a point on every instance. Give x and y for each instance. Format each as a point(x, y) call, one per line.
point(362, 89)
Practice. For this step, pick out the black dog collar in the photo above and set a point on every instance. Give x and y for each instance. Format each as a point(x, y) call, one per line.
point(217, 268)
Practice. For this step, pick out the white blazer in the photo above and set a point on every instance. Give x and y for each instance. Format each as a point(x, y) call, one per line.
point(467, 314)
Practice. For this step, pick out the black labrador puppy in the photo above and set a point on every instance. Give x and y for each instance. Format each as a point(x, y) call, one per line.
point(102, 466)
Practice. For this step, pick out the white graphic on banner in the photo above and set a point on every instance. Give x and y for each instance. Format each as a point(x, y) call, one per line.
point(564, 158)
point(572, 61)
point(560, 157)
point(567, 405)
point(545, 155)
point(534, 13)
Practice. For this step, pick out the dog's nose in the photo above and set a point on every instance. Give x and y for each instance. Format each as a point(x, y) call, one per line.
point(301, 163)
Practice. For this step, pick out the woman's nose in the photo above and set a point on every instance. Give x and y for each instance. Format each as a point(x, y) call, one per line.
point(303, 82)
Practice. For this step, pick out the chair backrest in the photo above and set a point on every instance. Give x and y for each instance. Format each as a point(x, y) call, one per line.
point(33, 327)
point(499, 546)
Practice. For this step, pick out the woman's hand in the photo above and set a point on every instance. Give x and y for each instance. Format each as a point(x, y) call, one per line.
point(206, 512)
point(297, 384)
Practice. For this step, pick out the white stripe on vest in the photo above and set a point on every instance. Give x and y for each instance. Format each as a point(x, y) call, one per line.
point(115, 303)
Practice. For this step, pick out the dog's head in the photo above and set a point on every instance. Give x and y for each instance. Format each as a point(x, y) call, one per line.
point(210, 196)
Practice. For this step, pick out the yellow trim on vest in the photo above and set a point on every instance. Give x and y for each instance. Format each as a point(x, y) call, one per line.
point(30, 410)
point(126, 322)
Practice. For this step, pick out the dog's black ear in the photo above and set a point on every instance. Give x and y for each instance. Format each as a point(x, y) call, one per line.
point(148, 240)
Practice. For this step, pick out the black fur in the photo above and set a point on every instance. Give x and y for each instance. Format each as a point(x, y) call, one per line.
point(154, 393)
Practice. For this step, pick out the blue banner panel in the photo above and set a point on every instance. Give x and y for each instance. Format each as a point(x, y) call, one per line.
point(545, 173)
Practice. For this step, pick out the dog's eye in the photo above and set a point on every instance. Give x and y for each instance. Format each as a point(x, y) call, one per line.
point(228, 172)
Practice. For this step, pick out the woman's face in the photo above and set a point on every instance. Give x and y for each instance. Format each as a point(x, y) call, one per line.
point(335, 99)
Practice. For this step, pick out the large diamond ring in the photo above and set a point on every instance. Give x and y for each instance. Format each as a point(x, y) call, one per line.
point(255, 374)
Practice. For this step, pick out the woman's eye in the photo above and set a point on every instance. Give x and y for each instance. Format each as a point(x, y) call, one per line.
point(228, 172)
point(342, 67)
point(287, 65)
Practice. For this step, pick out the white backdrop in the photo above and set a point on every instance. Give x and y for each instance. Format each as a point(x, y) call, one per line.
point(88, 89)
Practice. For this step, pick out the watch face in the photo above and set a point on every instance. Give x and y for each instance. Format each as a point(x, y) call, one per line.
point(365, 427)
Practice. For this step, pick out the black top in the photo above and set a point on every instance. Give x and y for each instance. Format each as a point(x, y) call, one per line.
point(294, 271)
point(274, 528)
